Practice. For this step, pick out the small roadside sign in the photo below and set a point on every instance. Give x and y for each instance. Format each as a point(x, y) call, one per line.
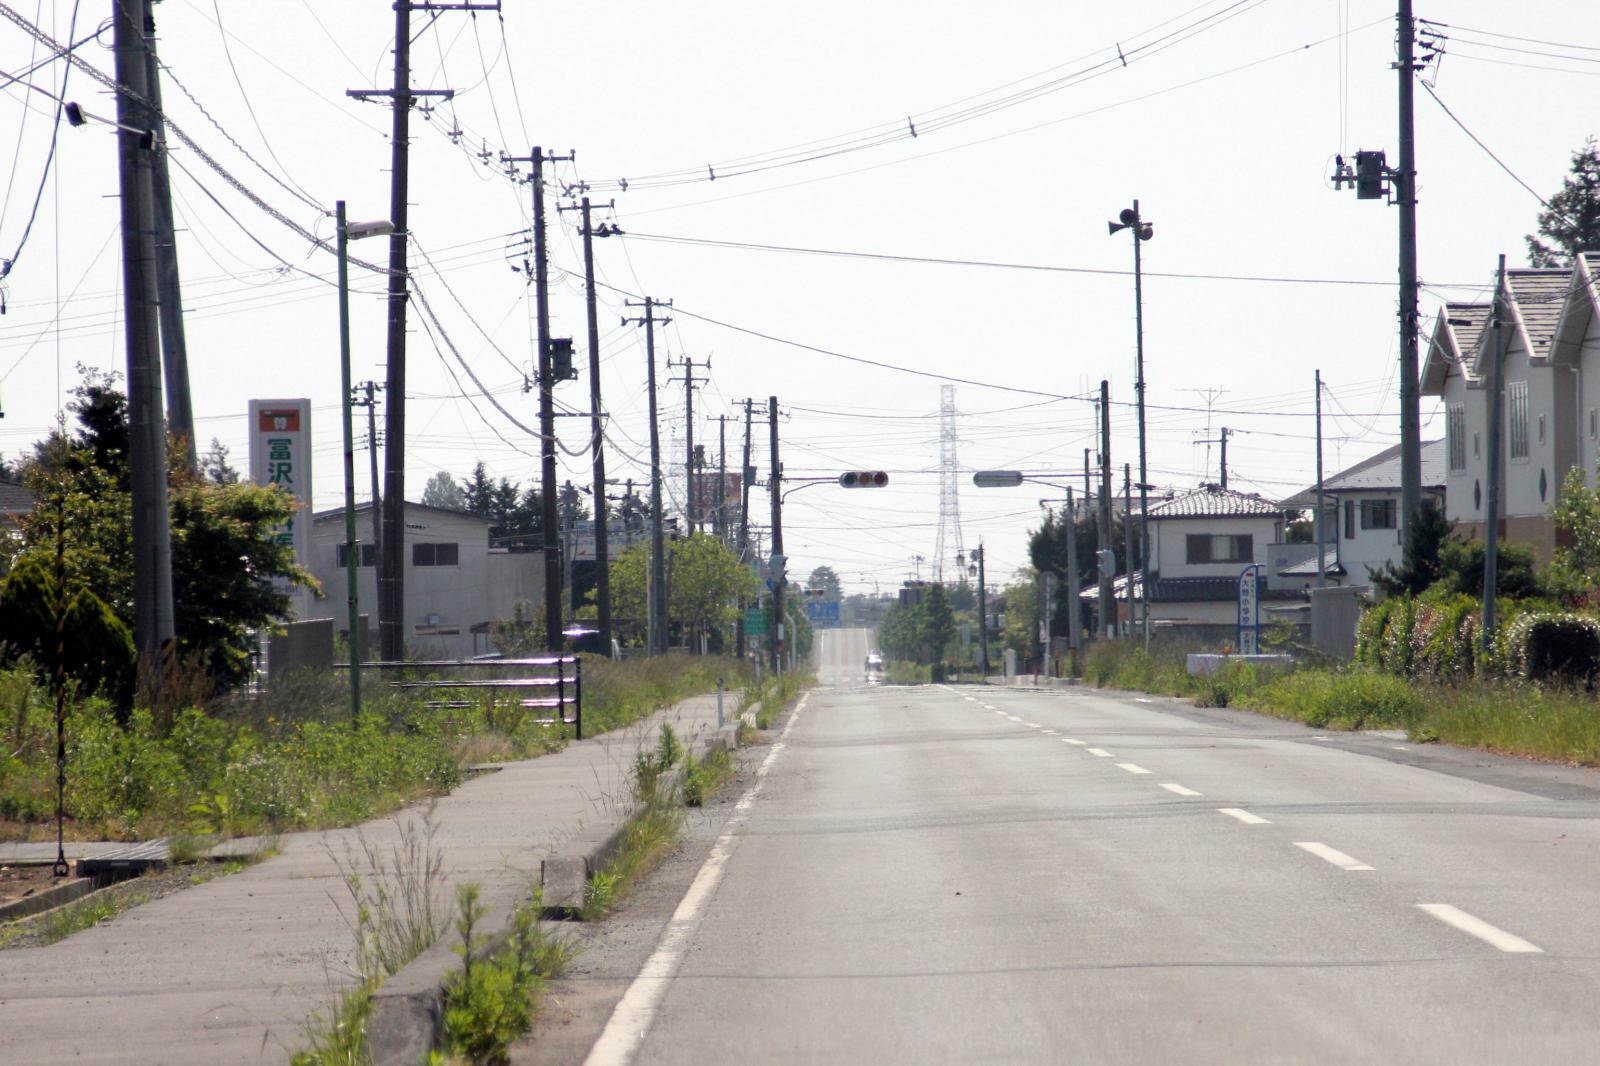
point(755, 622)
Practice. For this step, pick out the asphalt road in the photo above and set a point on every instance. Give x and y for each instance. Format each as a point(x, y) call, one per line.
point(967, 874)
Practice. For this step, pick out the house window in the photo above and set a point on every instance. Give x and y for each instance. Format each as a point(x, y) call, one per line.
point(435, 554)
point(1349, 519)
point(1455, 425)
point(1592, 425)
point(1379, 514)
point(1476, 451)
point(1541, 429)
point(1517, 416)
point(1219, 547)
point(369, 555)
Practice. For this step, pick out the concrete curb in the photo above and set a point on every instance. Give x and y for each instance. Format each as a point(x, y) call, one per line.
point(406, 1019)
point(51, 897)
point(1032, 681)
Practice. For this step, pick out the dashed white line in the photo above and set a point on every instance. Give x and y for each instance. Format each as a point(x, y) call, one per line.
point(1074, 743)
point(1132, 768)
point(1051, 733)
point(1141, 699)
point(1179, 789)
point(1032, 725)
point(1248, 819)
point(1327, 854)
point(1479, 928)
point(1103, 753)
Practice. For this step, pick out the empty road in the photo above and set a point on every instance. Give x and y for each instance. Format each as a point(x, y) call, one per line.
point(968, 874)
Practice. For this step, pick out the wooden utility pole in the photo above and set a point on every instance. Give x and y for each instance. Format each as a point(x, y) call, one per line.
point(154, 621)
point(780, 577)
point(657, 611)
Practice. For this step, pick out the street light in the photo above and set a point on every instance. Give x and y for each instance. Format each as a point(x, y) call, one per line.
point(347, 232)
point(1130, 219)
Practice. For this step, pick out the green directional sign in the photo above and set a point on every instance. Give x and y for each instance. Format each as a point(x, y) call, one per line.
point(755, 622)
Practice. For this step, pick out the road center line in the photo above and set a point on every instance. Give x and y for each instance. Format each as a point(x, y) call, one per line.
point(631, 1020)
point(1075, 743)
point(1250, 819)
point(1032, 725)
point(1479, 928)
point(1103, 753)
point(1132, 768)
point(1179, 789)
point(1327, 854)
point(1051, 733)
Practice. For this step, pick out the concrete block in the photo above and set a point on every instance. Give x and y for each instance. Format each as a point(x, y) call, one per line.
point(1204, 665)
point(564, 878)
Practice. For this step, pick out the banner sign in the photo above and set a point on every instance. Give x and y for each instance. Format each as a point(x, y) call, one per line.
point(280, 454)
point(1250, 610)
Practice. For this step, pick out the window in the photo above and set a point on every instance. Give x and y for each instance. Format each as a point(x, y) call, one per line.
point(1219, 548)
point(1349, 519)
point(1517, 417)
point(1476, 451)
point(1379, 514)
point(1455, 429)
point(369, 556)
point(1541, 429)
point(435, 554)
point(1592, 426)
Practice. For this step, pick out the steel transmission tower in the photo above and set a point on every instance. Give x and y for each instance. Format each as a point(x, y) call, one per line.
point(949, 544)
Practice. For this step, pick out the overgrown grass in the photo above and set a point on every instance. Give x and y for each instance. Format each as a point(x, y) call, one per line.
point(774, 694)
point(705, 777)
point(898, 672)
point(619, 694)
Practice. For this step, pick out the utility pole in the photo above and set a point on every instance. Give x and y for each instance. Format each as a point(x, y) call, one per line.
point(1075, 612)
point(1127, 532)
point(547, 385)
point(1220, 438)
point(1107, 604)
point(1316, 523)
point(719, 517)
point(780, 577)
point(983, 613)
point(370, 402)
point(744, 526)
point(174, 350)
point(391, 563)
point(602, 555)
point(657, 611)
point(1497, 388)
point(1405, 188)
point(692, 507)
point(569, 527)
point(153, 617)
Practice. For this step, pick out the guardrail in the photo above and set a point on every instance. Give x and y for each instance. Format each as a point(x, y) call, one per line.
point(568, 687)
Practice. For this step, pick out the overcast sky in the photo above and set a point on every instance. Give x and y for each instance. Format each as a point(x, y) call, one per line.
point(1031, 134)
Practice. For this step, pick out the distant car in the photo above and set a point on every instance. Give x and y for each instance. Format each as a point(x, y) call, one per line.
point(874, 665)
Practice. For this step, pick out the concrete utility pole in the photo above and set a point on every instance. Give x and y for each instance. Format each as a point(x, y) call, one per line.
point(1127, 533)
point(983, 614)
point(1222, 439)
point(657, 610)
point(391, 563)
point(780, 577)
point(1405, 193)
point(1497, 389)
point(692, 506)
point(744, 525)
point(1075, 612)
point(370, 402)
point(719, 516)
point(602, 555)
point(1316, 523)
point(569, 531)
point(1104, 542)
point(174, 349)
point(153, 617)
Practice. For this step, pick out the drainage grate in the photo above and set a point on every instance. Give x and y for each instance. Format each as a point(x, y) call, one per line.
point(126, 862)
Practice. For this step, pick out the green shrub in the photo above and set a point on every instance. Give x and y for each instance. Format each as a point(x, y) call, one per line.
point(1369, 633)
point(1353, 700)
point(1564, 648)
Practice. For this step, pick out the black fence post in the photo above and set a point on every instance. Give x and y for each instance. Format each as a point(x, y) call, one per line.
point(577, 694)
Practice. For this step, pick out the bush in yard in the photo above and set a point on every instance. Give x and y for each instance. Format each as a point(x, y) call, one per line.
point(1442, 639)
point(1563, 648)
point(1397, 650)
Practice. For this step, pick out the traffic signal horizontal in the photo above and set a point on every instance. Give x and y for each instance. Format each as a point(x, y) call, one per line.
point(863, 479)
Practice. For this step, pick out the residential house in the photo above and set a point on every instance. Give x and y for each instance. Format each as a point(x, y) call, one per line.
point(1362, 505)
point(456, 585)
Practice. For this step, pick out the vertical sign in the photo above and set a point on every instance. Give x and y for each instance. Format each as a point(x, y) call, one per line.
point(1249, 609)
point(280, 454)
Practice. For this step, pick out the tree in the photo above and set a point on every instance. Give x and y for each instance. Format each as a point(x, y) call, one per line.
point(1572, 218)
point(899, 634)
point(938, 627)
point(1575, 571)
point(443, 492)
point(1021, 605)
point(98, 647)
point(825, 579)
point(707, 583)
point(1461, 569)
point(520, 635)
point(1421, 560)
point(214, 466)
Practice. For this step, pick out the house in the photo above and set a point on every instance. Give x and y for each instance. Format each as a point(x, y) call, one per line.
point(15, 502)
point(1200, 542)
point(456, 585)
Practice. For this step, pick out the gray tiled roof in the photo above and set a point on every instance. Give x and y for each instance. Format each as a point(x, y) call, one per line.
point(1467, 322)
point(1208, 501)
point(1540, 296)
point(1381, 471)
point(14, 499)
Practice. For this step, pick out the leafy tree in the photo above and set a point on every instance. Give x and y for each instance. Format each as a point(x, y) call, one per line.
point(824, 578)
point(900, 632)
point(1020, 601)
point(98, 647)
point(1572, 219)
point(443, 492)
point(214, 466)
point(1421, 561)
point(1461, 569)
point(1575, 571)
point(706, 583)
point(938, 627)
point(520, 635)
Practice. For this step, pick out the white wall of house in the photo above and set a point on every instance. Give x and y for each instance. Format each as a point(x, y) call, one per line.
point(1169, 541)
point(1465, 483)
point(1587, 386)
point(446, 593)
point(1369, 531)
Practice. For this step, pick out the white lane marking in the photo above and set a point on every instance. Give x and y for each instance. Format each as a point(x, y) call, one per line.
point(1399, 747)
point(1141, 699)
point(1327, 854)
point(1051, 733)
point(1179, 789)
point(1013, 717)
point(1032, 725)
point(634, 1014)
point(1069, 740)
point(1246, 817)
point(990, 707)
point(1479, 928)
point(1132, 768)
point(1103, 753)
point(1321, 738)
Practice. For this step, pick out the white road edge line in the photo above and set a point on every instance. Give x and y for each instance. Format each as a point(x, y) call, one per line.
point(1327, 854)
point(1103, 753)
point(1179, 789)
point(1479, 928)
point(1249, 819)
point(1132, 768)
point(1141, 699)
point(630, 1021)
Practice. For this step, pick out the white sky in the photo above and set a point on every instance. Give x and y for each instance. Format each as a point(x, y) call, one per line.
point(1227, 137)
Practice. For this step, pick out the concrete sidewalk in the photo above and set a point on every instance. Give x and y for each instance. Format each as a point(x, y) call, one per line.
point(231, 970)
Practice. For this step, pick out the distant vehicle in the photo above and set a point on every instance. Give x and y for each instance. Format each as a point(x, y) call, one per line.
point(874, 666)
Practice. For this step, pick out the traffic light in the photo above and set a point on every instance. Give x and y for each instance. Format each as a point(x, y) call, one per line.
point(863, 479)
